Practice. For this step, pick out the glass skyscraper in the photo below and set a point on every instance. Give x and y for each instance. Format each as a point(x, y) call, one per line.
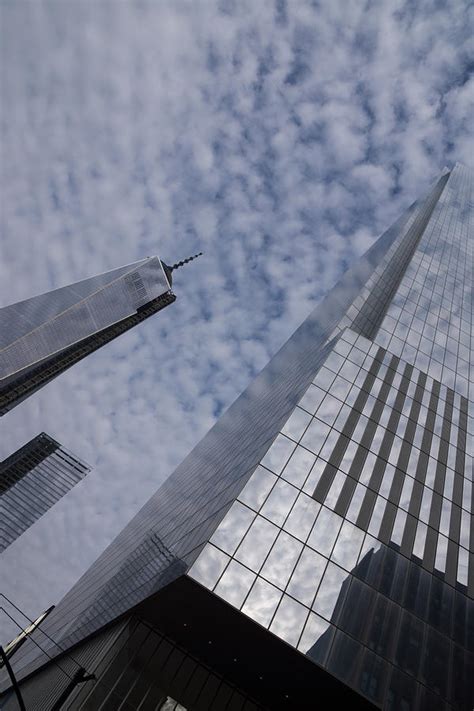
point(33, 479)
point(317, 543)
point(44, 335)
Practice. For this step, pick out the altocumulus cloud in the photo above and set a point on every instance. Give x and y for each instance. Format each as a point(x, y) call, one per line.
point(279, 138)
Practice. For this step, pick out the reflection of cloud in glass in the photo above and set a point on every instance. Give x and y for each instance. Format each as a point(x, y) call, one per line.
point(278, 454)
point(262, 601)
point(235, 583)
point(346, 550)
point(312, 398)
point(313, 632)
point(296, 424)
point(369, 544)
point(289, 620)
point(256, 490)
point(377, 515)
point(398, 527)
point(279, 502)
point(329, 590)
point(356, 502)
point(282, 559)
point(324, 378)
point(340, 388)
point(325, 531)
point(209, 566)
point(302, 516)
point(315, 476)
point(233, 527)
point(441, 553)
point(257, 543)
point(463, 562)
point(307, 576)
point(329, 409)
point(315, 435)
point(335, 489)
point(298, 467)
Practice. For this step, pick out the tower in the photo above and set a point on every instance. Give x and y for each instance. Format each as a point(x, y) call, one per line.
point(33, 479)
point(317, 541)
point(44, 335)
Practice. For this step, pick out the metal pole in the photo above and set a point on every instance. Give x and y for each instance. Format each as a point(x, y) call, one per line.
point(4, 657)
point(79, 678)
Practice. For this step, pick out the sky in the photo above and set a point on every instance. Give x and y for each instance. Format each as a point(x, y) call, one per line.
point(279, 138)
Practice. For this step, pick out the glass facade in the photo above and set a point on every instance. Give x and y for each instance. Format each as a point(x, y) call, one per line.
point(331, 505)
point(352, 539)
point(31, 481)
point(42, 336)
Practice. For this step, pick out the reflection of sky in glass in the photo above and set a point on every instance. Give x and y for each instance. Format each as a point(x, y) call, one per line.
point(232, 529)
point(441, 553)
point(463, 562)
point(296, 424)
point(262, 601)
point(356, 502)
point(398, 527)
point(420, 538)
point(235, 583)
point(325, 531)
point(329, 590)
point(346, 550)
point(313, 631)
point(312, 398)
point(377, 515)
point(369, 544)
point(314, 476)
point(298, 467)
point(282, 559)
point(329, 409)
point(257, 488)
point(335, 489)
point(307, 576)
point(289, 620)
point(279, 502)
point(278, 454)
point(315, 435)
point(257, 543)
point(302, 517)
point(209, 566)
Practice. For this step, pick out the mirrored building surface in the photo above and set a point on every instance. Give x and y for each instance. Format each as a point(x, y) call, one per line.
point(33, 479)
point(317, 543)
point(44, 335)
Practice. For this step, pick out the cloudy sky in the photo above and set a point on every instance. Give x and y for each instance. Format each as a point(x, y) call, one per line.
point(280, 138)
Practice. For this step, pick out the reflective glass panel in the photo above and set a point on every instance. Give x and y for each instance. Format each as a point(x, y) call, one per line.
point(235, 583)
point(233, 527)
point(257, 543)
point(262, 602)
point(330, 590)
point(289, 620)
point(282, 559)
point(209, 566)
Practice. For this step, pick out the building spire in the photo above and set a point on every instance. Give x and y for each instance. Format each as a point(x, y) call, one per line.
point(169, 269)
point(185, 261)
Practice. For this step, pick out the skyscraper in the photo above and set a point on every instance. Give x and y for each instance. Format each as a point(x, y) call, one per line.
point(317, 541)
point(44, 335)
point(33, 479)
